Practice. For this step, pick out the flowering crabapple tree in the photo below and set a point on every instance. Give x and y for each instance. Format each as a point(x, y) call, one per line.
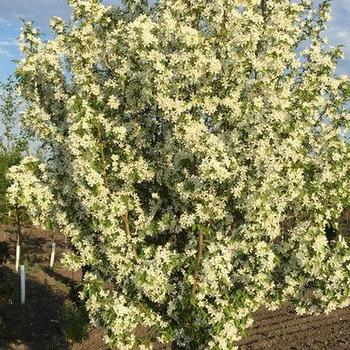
point(196, 151)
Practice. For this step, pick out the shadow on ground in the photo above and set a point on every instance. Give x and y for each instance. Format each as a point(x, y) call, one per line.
point(35, 325)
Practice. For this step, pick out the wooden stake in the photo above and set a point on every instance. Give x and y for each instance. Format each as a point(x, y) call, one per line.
point(18, 253)
point(19, 225)
point(19, 236)
point(53, 250)
point(23, 284)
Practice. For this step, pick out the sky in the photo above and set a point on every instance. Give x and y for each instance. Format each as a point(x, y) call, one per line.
point(11, 13)
point(41, 10)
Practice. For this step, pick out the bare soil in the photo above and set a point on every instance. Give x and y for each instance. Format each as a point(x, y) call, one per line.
point(284, 330)
point(36, 325)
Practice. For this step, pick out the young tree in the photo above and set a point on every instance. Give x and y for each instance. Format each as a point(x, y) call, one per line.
point(13, 143)
point(197, 151)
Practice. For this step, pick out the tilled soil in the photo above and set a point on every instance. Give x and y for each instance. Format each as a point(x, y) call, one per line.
point(284, 330)
point(36, 325)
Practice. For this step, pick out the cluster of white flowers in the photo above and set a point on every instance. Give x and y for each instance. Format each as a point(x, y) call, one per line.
point(29, 188)
point(195, 156)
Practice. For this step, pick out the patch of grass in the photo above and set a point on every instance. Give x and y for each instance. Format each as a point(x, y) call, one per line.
point(59, 265)
point(32, 268)
point(74, 322)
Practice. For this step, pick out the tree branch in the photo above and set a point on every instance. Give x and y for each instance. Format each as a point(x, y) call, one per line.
point(198, 262)
point(104, 170)
point(128, 233)
point(103, 157)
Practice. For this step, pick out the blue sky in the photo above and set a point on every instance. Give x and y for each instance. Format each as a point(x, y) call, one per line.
point(42, 10)
point(10, 24)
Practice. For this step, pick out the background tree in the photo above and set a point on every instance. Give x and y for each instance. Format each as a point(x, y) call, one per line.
point(197, 151)
point(13, 143)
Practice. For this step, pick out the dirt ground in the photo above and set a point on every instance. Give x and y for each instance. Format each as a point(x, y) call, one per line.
point(284, 330)
point(36, 325)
